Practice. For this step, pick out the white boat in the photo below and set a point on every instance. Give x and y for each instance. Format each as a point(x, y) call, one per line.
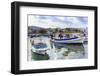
point(69, 40)
point(40, 48)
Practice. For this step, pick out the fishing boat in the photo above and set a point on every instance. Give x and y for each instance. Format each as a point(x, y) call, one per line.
point(40, 48)
point(69, 40)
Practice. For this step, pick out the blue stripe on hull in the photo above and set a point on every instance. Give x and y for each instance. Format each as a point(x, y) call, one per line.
point(66, 39)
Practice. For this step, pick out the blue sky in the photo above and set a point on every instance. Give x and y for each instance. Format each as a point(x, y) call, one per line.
point(58, 21)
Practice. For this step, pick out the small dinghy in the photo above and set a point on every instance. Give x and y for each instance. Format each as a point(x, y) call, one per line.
point(40, 48)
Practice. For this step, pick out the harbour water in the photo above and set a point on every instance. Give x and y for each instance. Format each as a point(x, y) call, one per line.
point(57, 51)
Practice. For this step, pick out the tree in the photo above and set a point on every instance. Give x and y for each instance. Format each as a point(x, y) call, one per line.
point(42, 31)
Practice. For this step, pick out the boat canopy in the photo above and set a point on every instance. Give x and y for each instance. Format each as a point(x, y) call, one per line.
point(40, 46)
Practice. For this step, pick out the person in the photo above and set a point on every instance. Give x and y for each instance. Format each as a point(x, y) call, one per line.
point(61, 34)
point(51, 36)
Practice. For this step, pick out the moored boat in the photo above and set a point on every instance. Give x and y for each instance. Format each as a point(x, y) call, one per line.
point(40, 48)
point(69, 40)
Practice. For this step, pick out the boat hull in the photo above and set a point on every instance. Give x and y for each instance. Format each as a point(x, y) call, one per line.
point(39, 51)
point(72, 40)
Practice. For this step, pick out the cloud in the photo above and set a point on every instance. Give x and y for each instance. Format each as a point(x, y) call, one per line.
point(58, 21)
